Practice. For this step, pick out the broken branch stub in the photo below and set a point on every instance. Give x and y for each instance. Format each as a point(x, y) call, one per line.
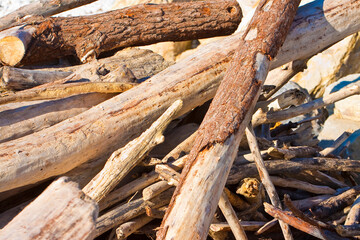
point(223, 126)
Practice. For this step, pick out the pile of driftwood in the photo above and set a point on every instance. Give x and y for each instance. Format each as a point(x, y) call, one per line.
point(95, 148)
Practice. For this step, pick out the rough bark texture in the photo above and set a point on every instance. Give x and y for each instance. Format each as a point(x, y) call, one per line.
point(134, 26)
point(110, 125)
point(62, 211)
point(223, 126)
point(42, 8)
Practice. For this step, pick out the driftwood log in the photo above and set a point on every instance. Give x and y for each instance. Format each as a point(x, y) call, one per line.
point(87, 37)
point(223, 126)
point(110, 125)
point(62, 196)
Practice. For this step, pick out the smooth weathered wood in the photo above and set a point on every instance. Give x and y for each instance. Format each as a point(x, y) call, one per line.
point(293, 166)
point(123, 160)
point(117, 121)
point(306, 107)
point(353, 216)
point(293, 183)
point(246, 225)
point(62, 211)
point(88, 36)
point(66, 90)
point(22, 121)
point(265, 177)
point(292, 152)
point(42, 8)
point(223, 126)
point(231, 218)
point(126, 229)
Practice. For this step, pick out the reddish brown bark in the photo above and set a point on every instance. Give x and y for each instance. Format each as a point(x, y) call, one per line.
point(228, 114)
point(138, 25)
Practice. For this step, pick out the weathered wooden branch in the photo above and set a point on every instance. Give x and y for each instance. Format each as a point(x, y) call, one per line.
point(294, 221)
point(130, 210)
point(231, 218)
point(88, 36)
point(117, 121)
point(62, 203)
point(223, 126)
point(293, 166)
point(293, 183)
point(126, 158)
point(272, 117)
point(265, 177)
point(126, 229)
point(336, 203)
point(292, 152)
point(246, 225)
point(44, 8)
point(65, 90)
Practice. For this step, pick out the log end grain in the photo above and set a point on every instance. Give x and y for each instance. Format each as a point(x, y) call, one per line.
point(12, 50)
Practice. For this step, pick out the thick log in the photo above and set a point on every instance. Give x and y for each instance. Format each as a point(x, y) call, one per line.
point(117, 121)
point(44, 8)
point(88, 36)
point(223, 126)
point(62, 203)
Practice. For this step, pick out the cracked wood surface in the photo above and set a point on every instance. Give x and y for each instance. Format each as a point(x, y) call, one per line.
point(194, 202)
point(111, 124)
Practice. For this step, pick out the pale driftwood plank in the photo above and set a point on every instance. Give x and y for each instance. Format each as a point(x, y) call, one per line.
point(62, 211)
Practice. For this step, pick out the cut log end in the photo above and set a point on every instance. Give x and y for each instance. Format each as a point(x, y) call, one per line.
point(12, 50)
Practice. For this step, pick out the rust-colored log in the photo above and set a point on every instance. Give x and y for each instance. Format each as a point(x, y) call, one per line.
point(221, 131)
point(88, 36)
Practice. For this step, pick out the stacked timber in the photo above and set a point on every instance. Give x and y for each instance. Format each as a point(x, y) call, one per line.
point(102, 139)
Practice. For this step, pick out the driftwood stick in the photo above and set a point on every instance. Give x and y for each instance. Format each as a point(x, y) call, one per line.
point(136, 185)
point(156, 213)
point(348, 231)
point(292, 152)
point(66, 90)
point(246, 225)
point(144, 24)
point(293, 183)
point(294, 166)
point(336, 203)
point(44, 8)
point(307, 107)
point(231, 218)
point(222, 128)
point(62, 202)
point(117, 121)
point(265, 177)
point(127, 211)
point(155, 189)
point(126, 158)
point(353, 216)
point(294, 221)
point(128, 228)
point(340, 140)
